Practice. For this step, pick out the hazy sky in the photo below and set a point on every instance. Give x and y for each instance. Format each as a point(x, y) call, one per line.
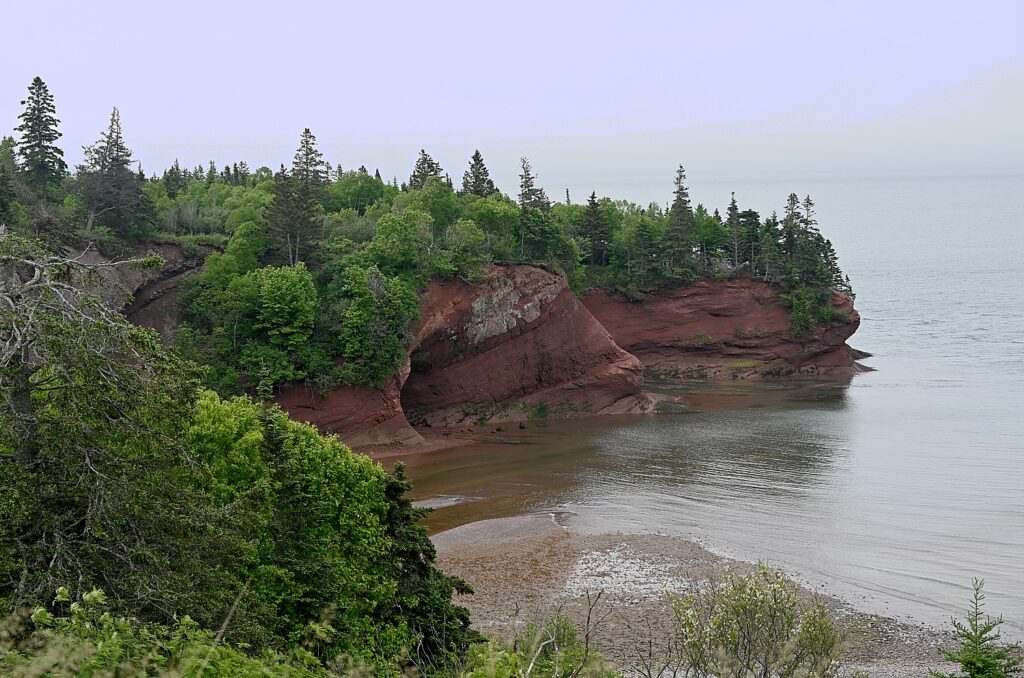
point(600, 95)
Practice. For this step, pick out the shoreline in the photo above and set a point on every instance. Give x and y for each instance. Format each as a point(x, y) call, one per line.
point(667, 398)
point(528, 566)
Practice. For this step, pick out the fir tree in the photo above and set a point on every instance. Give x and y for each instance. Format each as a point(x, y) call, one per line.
point(308, 166)
point(680, 232)
point(477, 180)
point(980, 654)
point(106, 182)
point(42, 162)
point(211, 173)
point(376, 175)
point(425, 168)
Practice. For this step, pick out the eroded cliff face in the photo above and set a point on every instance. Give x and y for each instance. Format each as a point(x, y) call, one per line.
point(731, 328)
point(515, 345)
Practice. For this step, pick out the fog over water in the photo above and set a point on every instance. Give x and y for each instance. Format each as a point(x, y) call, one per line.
point(892, 491)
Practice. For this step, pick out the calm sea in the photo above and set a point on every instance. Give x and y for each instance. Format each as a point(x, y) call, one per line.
point(892, 491)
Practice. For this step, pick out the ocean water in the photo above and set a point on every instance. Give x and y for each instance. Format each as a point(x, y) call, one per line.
point(892, 490)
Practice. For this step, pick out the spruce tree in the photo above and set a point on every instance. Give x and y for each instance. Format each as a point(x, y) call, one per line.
point(425, 168)
point(595, 228)
point(106, 182)
point(530, 195)
point(8, 198)
point(530, 198)
point(732, 222)
point(174, 180)
point(291, 220)
point(42, 162)
point(477, 180)
point(308, 166)
point(680, 232)
point(980, 654)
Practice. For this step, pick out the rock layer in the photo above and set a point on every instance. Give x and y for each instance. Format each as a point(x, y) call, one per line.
point(733, 328)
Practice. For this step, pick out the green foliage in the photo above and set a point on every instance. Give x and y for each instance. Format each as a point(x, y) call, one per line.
point(376, 324)
point(980, 654)
point(753, 624)
point(85, 639)
point(552, 648)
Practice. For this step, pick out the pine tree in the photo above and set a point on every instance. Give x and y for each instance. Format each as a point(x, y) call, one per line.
point(425, 168)
point(211, 173)
point(595, 228)
point(42, 162)
point(376, 175)
point(680, 232)
point(308, 166)
point(477, 180)
point(106, 182)
point(750, 236)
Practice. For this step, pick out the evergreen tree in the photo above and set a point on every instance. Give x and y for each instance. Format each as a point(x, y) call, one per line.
point(980, 654)
point(596, 229)
point(291, 219)
point(568, 200)
point(376, 175)
point(477, 180)
point(530, 195)
point(211, 173)
point(732, 222)
point(42, 162)
point(8, 198)
point(425, 168)
point(750, 236)
point(106, 182)
point(791, 224)
point(530, 198)
point(174, 180)
point(680, 232)
point(308, 166)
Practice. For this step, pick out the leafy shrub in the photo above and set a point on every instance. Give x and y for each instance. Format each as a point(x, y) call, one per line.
point(753, 624)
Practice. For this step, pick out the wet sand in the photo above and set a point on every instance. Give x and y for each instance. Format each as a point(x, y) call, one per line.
point(525, 567)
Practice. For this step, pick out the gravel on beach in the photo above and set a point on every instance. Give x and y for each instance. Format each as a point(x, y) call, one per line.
point(527, 567)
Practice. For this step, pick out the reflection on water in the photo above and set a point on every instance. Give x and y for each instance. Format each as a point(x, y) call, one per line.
point(803, 476)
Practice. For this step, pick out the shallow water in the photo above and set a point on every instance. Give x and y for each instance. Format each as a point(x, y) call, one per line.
point(891, 491)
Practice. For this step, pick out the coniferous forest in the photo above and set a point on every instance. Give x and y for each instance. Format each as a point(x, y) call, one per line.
point(158, 516)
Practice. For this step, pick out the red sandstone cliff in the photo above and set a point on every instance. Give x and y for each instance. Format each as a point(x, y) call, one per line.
point(724, 328)
point(515, 345)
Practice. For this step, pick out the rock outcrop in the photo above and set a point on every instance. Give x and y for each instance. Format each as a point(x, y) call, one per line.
point(515, 345)
point(732, 328)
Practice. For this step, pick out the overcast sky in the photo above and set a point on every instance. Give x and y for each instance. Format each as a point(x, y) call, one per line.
point(608, 96)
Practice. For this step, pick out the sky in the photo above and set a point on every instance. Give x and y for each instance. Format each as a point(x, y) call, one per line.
point(604, 96)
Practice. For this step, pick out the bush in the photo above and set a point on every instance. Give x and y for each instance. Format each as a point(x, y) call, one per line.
point(753, 624)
